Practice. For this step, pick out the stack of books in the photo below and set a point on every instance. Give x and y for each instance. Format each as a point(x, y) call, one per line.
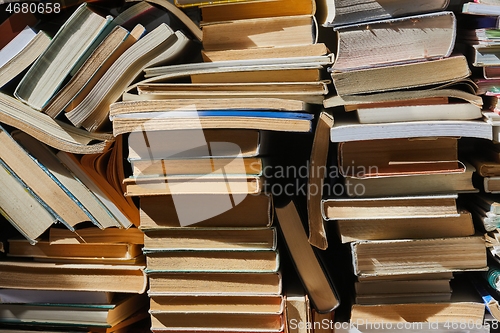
point(395, 200)
point(211, 249)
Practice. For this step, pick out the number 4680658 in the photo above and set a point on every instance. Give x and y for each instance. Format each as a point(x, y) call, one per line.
point(33, 7)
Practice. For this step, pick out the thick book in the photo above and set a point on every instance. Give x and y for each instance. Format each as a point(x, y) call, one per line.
point(223, 284)
point(252, 211)
point(454, 181)
point(149, 145)
point(343, 12)
point(14, 25)
point(213, 261)
point(349, 130)
point(67, 47)
point(405, 228)
point(94, 235)
point(397, 76)
point(46, 250)
point(359, 46)
point(260, 32)
point(85, 277)
point(270, 304)
point(387, 157)
point(94, 315)
point(223, 322)
point(417, 256)
point(256, 9)
point(92, 112)
point(389, 207)
point(180, 120)
point(205, 238)
point(21, 57)
point(310, 270)
point(54, 133)
point(22, 216)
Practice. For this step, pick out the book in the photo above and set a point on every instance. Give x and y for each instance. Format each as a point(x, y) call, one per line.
point(19, 205)
point(260, 32)
point(84, 277)
point(214, 183)
point(98, 315)
point(216, 321)
point(14, 296)
point(47, 160)
point(66, 208)
point(53, 133)
point(184, 120)
point(317, 49)
point(318, 160)
point(474, 8)
point(252, 211)
point(491, 184)
point(298, 310)
point(70, 43)
point(94, 235)
point(195, 166)
point(367, 158)
point(453, 111)
point(253, 9)
point(359, 45)
point(432, 255)
point(19, 60)
point(389, 207)
point(213, 261)
point(115, 43)
point(291, 74)
point(92, 112)
point(345, 130)
point(457, 181)
point(244, 143)
point(314, 279)
point(405, 228)
point(343, 12)
point(224, 284)
point(447, 312)
point(47, 250)
point(16, 45)
point(484, 167)
point(393, 77)
point(205, 238)
point(166, 73)
point(270, 304)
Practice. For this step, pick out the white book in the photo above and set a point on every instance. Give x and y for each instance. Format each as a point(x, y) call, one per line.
point(456, 111)
point(349, 130)
point(16, 45)
point(474, 8)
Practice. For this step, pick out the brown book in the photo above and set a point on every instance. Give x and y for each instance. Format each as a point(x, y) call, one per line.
point(484, 167)
point(253, 211)
point(394, 77)
point(403, 40)
point(405, 228)
point(215, 284)
point(491, 184)
point(259, 32)
point(216, 321)
point(233, 261)
point(366, 158)
point(405, 256)
point(425, 313)
point(389, 207)
point(85, 277)
point(317, 49)
point(147, 144)
point(256, 9)
point(218, 304)
point(94, 235)
point(280, 75)
point(46, 250)
point(218, 238)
